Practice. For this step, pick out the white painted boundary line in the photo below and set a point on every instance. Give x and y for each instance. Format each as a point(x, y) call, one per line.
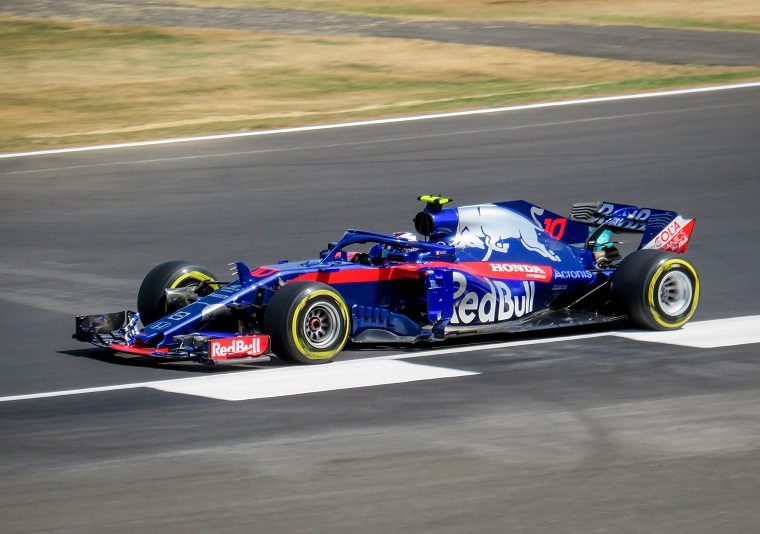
point(489, 346)
point(381, 370)
point(706, 334)
point(374, 141)
point(373, 122)
point(287, 381)
point(68, 392)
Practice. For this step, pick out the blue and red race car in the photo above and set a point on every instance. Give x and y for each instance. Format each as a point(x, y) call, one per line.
point(497, 267)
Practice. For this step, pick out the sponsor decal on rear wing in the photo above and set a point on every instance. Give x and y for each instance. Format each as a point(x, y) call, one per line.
point(674, 237)
point(663, 230)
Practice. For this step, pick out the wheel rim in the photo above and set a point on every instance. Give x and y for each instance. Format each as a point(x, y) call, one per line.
point(321, 325)
point(675, 294)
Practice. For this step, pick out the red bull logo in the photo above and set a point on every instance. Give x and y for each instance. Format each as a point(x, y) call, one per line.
point(237, 347)
point(488, 227)
point(498, 304)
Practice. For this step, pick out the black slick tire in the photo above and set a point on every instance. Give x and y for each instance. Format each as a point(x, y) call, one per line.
point(308, 322)
point(151, 298)
point(657, 290)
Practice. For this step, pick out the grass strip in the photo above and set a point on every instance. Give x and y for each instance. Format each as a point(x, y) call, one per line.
point(70, 83)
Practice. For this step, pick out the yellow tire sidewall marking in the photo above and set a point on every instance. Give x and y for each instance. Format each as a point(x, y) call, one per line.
point(319, 355)
point(194, 275)
point(666, 266)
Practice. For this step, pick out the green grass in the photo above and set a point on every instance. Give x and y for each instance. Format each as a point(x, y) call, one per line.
point(64, 84)
point(50, 36)
point(461, 99)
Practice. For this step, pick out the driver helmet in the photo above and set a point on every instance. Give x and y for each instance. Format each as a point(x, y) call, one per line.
point(378, 252)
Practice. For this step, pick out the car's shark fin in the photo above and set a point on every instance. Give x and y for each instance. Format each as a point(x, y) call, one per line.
point(243, 272)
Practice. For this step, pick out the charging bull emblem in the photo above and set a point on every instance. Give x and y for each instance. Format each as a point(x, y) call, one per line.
point(488, 227)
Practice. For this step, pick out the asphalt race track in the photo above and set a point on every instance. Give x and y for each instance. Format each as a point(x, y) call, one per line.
point(587, 433)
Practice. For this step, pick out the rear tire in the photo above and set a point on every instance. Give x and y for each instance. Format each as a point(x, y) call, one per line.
point(308, 322)
point(657, 290)
point(151, 298)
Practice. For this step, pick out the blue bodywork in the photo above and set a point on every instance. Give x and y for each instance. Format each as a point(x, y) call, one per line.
point(497, 267)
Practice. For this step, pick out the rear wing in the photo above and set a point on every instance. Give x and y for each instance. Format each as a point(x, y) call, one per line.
point(663, 230)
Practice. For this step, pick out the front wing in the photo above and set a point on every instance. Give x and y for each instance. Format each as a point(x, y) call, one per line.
point(115, 331)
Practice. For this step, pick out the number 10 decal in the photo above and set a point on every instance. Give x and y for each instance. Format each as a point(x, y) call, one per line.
point(555, 227)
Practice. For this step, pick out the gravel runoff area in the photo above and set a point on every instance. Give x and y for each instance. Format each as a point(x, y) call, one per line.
point(669, 46)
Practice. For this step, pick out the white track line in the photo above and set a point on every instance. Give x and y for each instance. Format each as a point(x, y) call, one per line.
point(488, 346)
point(179, 383)
point(381, 370)
point(706, 334)
point(541, 105)
point(375, 141)
point(284, 382)
point(68, 392)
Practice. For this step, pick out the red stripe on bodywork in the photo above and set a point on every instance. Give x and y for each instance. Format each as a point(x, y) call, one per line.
point(120, 347)
point(499, 271)
point(263, 272)
point(510, 270)
point(352, 276)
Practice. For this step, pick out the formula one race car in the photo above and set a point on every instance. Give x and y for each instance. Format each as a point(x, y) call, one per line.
point(501, 267)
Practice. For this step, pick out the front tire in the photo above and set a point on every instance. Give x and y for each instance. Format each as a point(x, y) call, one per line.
point(151, 298)
point(657, 290)
point(308, 322)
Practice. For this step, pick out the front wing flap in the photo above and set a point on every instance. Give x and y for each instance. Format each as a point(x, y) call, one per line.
point(105, 328)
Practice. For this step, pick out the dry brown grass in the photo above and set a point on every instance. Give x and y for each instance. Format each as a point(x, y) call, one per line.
point(728, 14)
point(69, 83)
